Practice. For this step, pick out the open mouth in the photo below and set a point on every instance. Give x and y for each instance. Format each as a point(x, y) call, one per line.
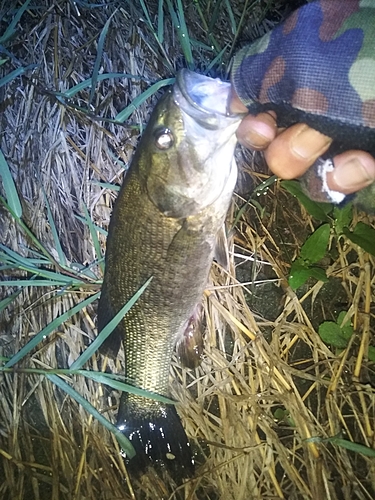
point(201, 97)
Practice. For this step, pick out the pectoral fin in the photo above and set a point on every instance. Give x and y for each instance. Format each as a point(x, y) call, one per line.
point(190, 346)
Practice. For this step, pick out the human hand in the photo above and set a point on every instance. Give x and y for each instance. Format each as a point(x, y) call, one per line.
point(291, 152)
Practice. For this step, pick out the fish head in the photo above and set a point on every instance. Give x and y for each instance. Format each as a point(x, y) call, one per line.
point(189, 146)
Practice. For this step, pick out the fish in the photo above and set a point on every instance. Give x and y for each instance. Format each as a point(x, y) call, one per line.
point(165, 225)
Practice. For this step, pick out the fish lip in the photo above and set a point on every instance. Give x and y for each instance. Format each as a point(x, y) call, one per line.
point(187, 96)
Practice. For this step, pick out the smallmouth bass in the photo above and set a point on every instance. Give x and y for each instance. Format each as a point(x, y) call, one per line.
point(165, 223)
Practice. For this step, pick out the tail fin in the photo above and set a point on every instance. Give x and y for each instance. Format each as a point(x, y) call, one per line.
point(155, 430)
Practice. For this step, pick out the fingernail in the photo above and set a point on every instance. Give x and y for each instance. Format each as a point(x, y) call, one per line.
point(256, 140)
point(309, 143)
point(256, 134)
point(351, 174)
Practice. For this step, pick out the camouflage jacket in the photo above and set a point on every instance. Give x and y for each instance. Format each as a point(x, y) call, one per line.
point(318, 67)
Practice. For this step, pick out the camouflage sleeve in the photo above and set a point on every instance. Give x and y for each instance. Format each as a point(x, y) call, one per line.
point(318, 67)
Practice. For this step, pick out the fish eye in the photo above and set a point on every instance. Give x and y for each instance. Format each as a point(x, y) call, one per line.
point(164, 139)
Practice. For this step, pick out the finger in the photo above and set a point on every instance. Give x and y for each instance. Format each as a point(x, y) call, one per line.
point(353, 170)
point(295, 150)
point(235, 105)
point(257, 132)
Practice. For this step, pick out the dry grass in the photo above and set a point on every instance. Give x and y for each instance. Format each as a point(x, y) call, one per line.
point(255, 361)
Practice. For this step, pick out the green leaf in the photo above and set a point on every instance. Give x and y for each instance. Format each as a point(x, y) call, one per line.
point(14, 74)
point(356, 447)
point(10, 31)
point(108, 329)
point(344, 443)
point(114, 381)
point(94, 237)
point(331, 334)
point(343, 217)
point(283, 415)
point(346, 328)
point(299, 274)
point(9, 187)
point(160, 22)
point(231, 17)
point(97, 228)
point(317, 210)
point(68, 94)
point(107, 185)
point(363, 236)
point(260, 190)
point(125, 113)
point(95, 71)
point(35, 282)
point(123, 440)
point(371, 353)
point(178, 20)
point(51, 327)
point(217, 59)
point(315, 247)
point(27, 231)
point(5, 302)
point(318, 273)
point(60, 252)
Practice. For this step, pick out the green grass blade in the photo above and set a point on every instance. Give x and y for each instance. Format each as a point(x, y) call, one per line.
point(216, 59)
point(178, 20)
point(125, 113)
point(215, 15)
point(107, 330)
point(259, 190)
point(201, 45)
point(14, 74)
point(122, 440)
point(68, 94)
point(107, 185)
point(10, 31)
point(39, 337)
point(356, 447)
point(99, 55)
point(53, 277)
point(231, 17)
point(318, 210)
point(60, 253)
point(85, 270)
point(45, 282)
point(97, 228)
point(184, 36)
point(344, 443)
point(5, 302)
point(160, 22)
point(94, 237)
point(147, 15)
point(12, 258)
point(112, 380)
point(9, 187)
point(29, 233)
point(9, 255)
point(211, 38)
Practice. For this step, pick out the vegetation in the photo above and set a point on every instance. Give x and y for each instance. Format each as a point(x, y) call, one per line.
point(282, 405)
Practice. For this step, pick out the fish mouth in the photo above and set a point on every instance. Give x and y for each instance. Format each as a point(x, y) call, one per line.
point(203, 98)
